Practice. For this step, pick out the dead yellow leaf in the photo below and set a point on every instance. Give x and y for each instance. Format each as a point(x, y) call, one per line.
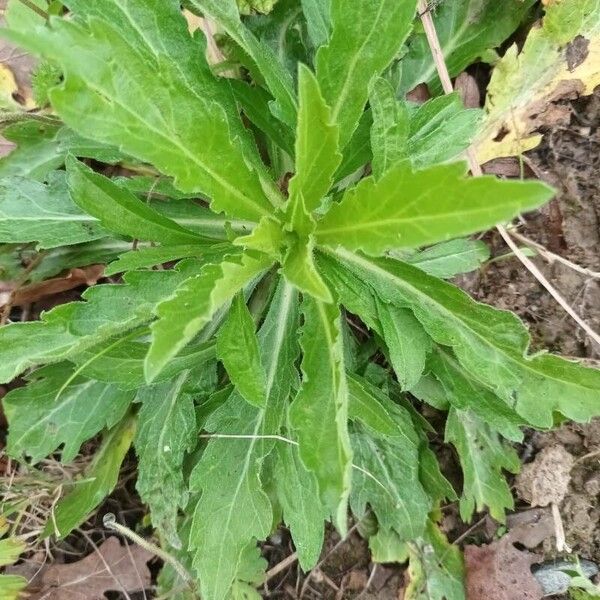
point(560, 60)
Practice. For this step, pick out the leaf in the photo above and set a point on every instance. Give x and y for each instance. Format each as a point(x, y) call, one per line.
point(436, 568)
point(386, 547)
point(166, 431)
point(56, 408)
point(100, 478)
point(491, 345)
point(357, 152)
point(43, 147)
point(108, 310)
point(482, 458)
point(118, 210)
point(300, 270)
point(122, 362)
point(317, 157)
point(317, 14)
point(194, 303)
point(237, 349)
point(303, 512)
point(234, 510)
point(12, 587)
point(467, 31)
point(408, 209)
point(464, 393)
point(142, 258)
point(318, 414)
point(35, 212)
point(407, 342)
point(10, 550)
point(124, 74)
point(558, 60)
point(279, 82)
point(447, 259)
point(389, 134)
point(366, 36)
point(440, 130)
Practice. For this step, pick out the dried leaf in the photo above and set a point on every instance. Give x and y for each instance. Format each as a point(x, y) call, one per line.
point(559, 61)
point(112, 568)
point(499, 571)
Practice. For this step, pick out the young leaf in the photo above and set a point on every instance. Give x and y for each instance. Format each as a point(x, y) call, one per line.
point(233, 510)
point(57, 408)
point(447, 259)
point(319, 412)
point(491, 345)
point(237, 349)
point(407, 342)
point(300, 270)
point(166, 431)
point(366, 36)
point(303, 512)
point(407, 209)
point(194, 303)
point(482, 458)
point(317, 156)
point(467, 31)
point(278, 80)
point(389, 134)
point(100, 479)
point(118, 210)
point(35, 212)
point(108, 310)
point(200, 141)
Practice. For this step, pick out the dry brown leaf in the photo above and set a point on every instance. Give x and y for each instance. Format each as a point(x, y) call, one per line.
point(468, 90)
point(499, 571)
point(546, 479)
point(36, 291)
point(112, 568)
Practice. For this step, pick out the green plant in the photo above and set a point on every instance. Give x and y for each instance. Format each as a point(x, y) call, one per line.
point(237, 374)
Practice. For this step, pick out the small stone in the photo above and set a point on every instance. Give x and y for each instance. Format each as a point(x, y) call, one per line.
point(592, 485)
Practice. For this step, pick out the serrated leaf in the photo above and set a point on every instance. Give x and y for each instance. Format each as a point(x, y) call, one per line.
point(194, 303)
point(108, 310)
point(267, 237)
point(142, 258)
point(118, 210)
point(10, 550)
point(122, 362)
point(166, 431)
point(279, 82)
point(318, 21)
point(126, 74)
point(43, 213)
point(317, 157)
point(43, 147)
point(303, 512)
point(318, 414)
point(408, 209)
point(467, 31)
point(387, 479)
point(525, 84)
point(56, 408)
point(448, 259)
point(100, 478)
point(482, 458)
point(491, 345)
point(464, 393)
point(234, 511)
point(237, 349)
point(389, 134)
point(436, 568)
point(366, 36)
point(300, 270)
point(407, 342)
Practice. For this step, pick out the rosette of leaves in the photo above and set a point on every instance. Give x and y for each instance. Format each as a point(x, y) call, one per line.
point(271, 265)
